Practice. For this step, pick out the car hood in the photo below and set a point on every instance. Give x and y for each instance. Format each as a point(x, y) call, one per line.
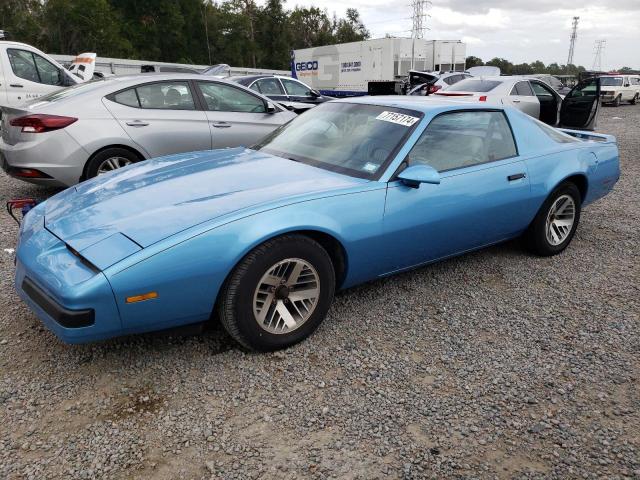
point(151, 200)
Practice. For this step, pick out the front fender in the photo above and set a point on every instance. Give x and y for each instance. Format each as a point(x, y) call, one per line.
point(187, 276)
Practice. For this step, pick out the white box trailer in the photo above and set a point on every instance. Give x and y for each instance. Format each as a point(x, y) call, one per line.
point(373, 66)
point(122, 66)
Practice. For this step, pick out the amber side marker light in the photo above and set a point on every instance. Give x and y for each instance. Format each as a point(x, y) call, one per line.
point(143, 297)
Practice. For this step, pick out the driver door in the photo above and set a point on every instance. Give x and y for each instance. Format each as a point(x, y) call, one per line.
point(580, 107)
point(236, 117)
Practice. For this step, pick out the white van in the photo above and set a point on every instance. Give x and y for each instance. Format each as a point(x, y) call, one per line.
point(619, 88)
point(27, 73)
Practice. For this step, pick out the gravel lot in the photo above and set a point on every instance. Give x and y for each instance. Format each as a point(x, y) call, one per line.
point(493, 365)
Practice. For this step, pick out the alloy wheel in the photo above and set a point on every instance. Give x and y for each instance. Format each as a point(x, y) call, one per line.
point(113, 163)
point(286, 296)
point(560, 219)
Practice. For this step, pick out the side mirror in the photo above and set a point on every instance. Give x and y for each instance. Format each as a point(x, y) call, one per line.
point(314, 94)
point(270, 108)
point(414, 175)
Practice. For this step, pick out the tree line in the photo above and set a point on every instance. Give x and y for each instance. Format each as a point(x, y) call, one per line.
point(508, 68)
point(237, 32)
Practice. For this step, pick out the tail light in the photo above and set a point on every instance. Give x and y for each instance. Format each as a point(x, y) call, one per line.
point(39, 123)
point(482, 98)
point(434, 88)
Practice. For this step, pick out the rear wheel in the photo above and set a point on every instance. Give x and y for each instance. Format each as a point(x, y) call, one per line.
point(278, 294)
point(109, 160)
point(556, 222)
point(634, 100)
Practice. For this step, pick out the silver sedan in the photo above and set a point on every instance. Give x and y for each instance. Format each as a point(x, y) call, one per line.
point(96, 127)
point(534, 97)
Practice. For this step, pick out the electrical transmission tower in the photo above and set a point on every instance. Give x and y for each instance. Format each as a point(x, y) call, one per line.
point(597, 59)
point(419, 7)
point(572, 42)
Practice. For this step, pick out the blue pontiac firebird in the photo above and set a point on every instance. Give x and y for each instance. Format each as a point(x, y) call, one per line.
point(262, 237)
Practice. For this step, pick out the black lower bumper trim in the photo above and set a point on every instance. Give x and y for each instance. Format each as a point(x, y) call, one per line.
point(65, 317)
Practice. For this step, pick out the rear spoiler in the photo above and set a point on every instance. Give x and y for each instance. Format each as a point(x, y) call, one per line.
point(589, 136)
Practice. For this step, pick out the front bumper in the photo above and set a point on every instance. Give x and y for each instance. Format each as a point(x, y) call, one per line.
point(56, 154)
point(72, 299)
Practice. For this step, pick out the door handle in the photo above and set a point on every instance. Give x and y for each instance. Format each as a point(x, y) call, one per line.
point(515, 100)
point(516, 176)
point(16, 85)
point(137, 123)
point(221, 124)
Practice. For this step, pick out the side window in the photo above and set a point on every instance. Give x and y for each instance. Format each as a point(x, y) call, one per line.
point(540, 90)
point(49, 73)
point(128, 97)
point(225, 98)
point(462, 139)
point(523, 89)
point(587, 88)
point(269, 86)
point(450, 80)
point(295, 88)
point(164, 95)
point(23, 65)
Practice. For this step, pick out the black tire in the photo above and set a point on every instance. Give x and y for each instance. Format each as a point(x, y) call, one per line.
point(235, 306)
point(616, 102)
point(94, 163)
point(634, 100)
point(536, 235)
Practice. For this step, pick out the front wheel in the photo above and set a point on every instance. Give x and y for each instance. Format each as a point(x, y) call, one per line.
point(616, 102)
point(556, 222)
point(278, 294)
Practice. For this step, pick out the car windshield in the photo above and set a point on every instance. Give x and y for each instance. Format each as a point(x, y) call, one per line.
point(350, 138)
point(474, 85)
point(610, 81)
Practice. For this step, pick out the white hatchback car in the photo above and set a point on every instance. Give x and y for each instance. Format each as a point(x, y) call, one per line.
point(620, 88)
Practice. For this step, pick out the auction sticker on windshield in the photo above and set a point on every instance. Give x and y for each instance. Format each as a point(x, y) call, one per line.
point(399, 118)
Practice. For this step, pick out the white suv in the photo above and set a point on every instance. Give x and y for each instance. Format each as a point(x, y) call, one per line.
point(620, 88)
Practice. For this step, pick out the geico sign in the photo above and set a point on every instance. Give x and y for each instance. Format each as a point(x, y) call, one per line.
point(302, 66)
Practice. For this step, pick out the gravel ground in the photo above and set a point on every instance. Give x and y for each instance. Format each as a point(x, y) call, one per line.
point(492, 365)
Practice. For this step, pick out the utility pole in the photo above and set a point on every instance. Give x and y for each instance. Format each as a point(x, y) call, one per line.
point(572, 42)
point(597, 59)
point(418, 28)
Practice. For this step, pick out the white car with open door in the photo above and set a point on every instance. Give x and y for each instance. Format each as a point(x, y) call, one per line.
point(27, 73)
point(578, 109)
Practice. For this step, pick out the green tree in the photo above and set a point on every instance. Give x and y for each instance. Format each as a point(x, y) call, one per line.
point(505, 66)
point(538, 67)
point(74, 26)
point(350, 29)
point(472, 61)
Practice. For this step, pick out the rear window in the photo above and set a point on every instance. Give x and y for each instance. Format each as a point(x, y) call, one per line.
point(474, 85)
point(611, 81)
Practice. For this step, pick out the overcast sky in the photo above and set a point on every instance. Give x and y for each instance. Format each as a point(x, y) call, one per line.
point(520, 31)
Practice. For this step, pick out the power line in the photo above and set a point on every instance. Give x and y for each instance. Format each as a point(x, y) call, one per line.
point(572, 43)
